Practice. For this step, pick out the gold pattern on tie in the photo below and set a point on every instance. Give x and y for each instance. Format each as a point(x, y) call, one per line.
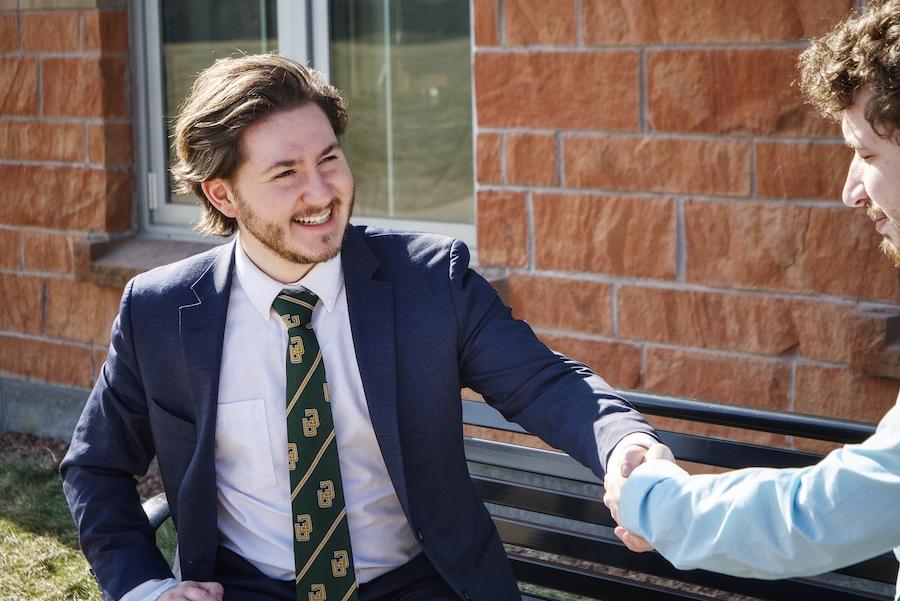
point(322, 556)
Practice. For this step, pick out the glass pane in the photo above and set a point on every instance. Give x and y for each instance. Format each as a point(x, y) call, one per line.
point(404, 66)
point(196, 33)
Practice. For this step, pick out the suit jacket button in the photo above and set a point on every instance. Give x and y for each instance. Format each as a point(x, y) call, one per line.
point(420, 536)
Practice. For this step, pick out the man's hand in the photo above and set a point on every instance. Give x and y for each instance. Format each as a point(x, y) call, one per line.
point(621, 464)
point(194, 591)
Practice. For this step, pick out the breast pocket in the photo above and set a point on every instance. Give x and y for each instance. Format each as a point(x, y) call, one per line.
point(243, 447)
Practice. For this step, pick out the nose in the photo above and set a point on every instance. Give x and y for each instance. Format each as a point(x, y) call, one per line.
point(854, 194)
point(317, 192)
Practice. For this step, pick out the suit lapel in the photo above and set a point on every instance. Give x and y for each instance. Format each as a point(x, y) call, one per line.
point(371, 306)
point(202, 330)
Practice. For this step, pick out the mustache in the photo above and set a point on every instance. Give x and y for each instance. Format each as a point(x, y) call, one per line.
point(875, 213)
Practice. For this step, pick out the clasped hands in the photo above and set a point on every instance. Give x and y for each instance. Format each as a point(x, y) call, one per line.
point(621, 464)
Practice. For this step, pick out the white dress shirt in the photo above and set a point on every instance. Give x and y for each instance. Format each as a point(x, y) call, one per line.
point(253, 487)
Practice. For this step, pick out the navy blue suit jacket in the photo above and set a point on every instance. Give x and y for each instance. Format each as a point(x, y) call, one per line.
point(424, 325)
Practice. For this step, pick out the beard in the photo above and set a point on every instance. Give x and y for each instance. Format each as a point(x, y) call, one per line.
point(890, 249)
point(887, 246)
point(273, 236)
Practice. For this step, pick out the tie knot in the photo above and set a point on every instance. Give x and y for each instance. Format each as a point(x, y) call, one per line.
point(295, 307)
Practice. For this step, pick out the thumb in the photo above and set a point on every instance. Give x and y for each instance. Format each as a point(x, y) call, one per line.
point(659, 451)
point(631, 458)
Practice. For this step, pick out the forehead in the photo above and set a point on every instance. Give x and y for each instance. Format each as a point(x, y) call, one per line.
point(288, 134)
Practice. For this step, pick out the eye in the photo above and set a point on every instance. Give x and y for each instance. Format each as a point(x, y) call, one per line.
point(330, 157)
point(284, 174)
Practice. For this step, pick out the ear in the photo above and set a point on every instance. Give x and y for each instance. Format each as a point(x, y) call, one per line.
point(221, 195)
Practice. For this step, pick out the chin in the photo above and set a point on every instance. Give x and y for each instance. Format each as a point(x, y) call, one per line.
point(889, 248)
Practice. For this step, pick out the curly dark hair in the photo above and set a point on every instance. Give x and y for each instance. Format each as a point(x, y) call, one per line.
point(228, 97)
point(862, 52)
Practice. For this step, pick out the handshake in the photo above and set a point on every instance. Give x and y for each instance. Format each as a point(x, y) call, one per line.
point(622, 463)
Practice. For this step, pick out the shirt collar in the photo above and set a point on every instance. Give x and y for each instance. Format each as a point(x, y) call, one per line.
point(325, 280)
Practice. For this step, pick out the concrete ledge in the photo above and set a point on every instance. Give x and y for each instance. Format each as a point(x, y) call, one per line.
point(114, 263)
point(39, 408)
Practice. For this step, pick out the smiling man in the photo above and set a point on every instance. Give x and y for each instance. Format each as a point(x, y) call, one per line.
point(768, 523)
point(300, 385)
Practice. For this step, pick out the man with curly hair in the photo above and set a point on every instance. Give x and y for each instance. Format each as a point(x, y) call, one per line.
point(768, 523)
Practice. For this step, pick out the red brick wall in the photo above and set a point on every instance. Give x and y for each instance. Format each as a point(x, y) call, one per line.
point(65, 165)
point(664, 207)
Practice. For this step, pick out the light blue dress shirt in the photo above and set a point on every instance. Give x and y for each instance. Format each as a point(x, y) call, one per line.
point(768, 523)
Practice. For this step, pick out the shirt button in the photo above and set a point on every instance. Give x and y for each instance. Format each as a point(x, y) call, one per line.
point(420, 536)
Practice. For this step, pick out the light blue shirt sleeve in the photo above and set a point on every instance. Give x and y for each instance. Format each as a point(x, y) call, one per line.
point(768, 523)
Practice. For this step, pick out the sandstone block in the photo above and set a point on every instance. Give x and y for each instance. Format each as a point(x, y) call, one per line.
point(9, 33)
point(822, 329)
point(85, 87)
point(50, 31)
point(706, 319)
point(10, 249)
point(617, 363)
point(18, 86)
point(747, 92)
point(48, 252)
point(487, 31)
point(871, 345)
point(605, 234)
point(743, 381)
point(110, 144)
point(531, 159)
point(488, 159)
point(803, 249)
point(557, 90)
point(45, 360)
point(560, 303)
point(529, 22)
point(719, 167)
point(502, 229)
point(801, 170)
point(80, 311)
point(689, 22)
point(105, 31)
point(66, 199)
point(22, 299)
point(836, 392)
point(41, 141)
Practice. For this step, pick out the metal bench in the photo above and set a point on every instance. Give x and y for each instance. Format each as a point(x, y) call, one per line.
point(558, 533)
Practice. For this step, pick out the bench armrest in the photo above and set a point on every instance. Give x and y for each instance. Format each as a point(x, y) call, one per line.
point(157, 510)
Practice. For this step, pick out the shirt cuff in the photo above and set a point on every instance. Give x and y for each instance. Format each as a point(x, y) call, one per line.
point(150, 590)
point(637, 488)
point(635, 438)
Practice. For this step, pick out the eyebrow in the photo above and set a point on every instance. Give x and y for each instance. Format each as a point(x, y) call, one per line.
point(291, 162)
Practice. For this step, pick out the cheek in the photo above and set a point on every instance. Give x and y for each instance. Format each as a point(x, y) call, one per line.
point(884, 190)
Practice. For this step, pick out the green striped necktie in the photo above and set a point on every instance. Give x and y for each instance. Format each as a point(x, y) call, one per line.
point(322, 554)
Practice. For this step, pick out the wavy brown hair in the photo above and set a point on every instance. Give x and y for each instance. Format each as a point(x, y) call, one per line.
point(227, 98)
point(861, 52)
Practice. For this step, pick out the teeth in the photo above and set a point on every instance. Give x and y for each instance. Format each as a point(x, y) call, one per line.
point(318, 220)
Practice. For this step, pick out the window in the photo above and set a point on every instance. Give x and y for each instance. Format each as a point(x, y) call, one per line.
point(404, 66)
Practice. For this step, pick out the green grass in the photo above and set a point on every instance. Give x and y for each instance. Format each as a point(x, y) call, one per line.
point(39, 554)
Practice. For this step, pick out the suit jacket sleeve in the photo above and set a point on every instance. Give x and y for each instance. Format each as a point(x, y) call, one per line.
point(112, 443)
point(560, 400)
point(768, 523)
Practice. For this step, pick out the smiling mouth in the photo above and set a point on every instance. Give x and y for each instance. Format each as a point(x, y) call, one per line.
point(319, 219)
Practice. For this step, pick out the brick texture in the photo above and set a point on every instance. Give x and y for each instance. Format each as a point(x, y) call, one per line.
point(105, 31)
point(561, 304)
point(488, 156)
point(730, 92)
point(486, 22)
point(10, 249)
point(18, 86)
point(81, 312)
point(110, 144)
point(531, 159)
point(22, 298)
point(789, 248)
point(658, 165)
point(48, 252)
point(540, 22)
point(45, 360)
point(93, 200)
point(571, 90)
point(502, 229)
point(605, 234)
point(617, 363)
point(84, 87)
point(9, 33)
point(50, 31)
point(692, 22)
point(801, 170)
point(837, 393)
point(41, 141)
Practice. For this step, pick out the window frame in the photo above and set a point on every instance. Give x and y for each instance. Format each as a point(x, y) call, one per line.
point(307, 42)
